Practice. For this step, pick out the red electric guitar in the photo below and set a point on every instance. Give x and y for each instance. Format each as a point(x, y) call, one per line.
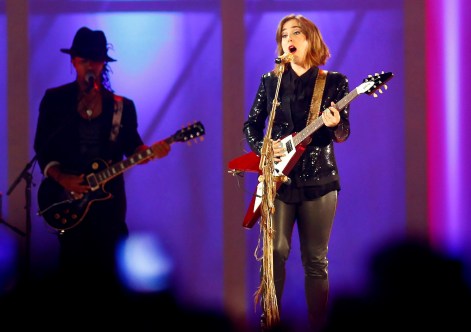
point(295, 145)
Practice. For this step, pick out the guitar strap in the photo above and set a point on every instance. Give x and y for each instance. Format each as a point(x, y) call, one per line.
point(316, 100)
point(118, 111)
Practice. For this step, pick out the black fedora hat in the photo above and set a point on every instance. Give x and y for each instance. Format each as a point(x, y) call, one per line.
point(89, 44)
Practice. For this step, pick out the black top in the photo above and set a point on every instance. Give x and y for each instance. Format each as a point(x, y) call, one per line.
point(316, 172)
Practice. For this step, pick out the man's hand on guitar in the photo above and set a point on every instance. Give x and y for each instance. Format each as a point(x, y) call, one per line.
point(160, 149)
point(75, 184)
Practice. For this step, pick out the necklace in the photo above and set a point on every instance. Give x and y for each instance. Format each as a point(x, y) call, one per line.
point(89, 106)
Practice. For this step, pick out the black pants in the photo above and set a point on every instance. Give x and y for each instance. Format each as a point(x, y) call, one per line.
point(314, 219)
point(88, 252)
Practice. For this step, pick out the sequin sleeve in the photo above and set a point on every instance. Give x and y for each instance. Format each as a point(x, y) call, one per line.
point(254, 126)
point(342, 131)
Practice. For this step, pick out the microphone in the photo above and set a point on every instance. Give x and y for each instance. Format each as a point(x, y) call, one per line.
point(287, 57)
point(90, 80)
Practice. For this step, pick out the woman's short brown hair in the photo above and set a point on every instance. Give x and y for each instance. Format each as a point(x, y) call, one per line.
point(317, 53)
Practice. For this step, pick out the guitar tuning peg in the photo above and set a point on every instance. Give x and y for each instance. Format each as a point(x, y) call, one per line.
point(375, 95)
point(376, 74)
point(385, 87)
point(380, 91)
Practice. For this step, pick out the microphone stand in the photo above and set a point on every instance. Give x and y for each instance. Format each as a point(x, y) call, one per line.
point(266, 289)
point(27, 176)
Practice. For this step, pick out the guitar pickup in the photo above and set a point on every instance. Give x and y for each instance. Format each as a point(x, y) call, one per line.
point(289, 146)
point(92, 182)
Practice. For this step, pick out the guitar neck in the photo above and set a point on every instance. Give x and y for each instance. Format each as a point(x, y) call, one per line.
point(318, 123)
point(191, 132)
point(347, 99)
point(101, 177)
point(170, 140)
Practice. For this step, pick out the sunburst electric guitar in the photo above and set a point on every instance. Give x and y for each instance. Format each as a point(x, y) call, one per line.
point(64, 210)
point(295, 145)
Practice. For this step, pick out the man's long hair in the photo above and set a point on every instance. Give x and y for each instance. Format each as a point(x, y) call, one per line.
point(105, 77)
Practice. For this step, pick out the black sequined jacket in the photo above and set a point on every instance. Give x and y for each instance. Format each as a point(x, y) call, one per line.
point(317, 166)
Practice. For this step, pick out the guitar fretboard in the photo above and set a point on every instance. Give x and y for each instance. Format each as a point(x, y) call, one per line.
point(97, 179)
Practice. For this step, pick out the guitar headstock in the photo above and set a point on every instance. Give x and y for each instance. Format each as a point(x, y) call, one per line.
point(374, 83)
point(190, 133)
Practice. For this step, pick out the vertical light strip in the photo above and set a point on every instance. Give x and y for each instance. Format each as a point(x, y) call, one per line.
point(443, 130)
point(452, 172)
